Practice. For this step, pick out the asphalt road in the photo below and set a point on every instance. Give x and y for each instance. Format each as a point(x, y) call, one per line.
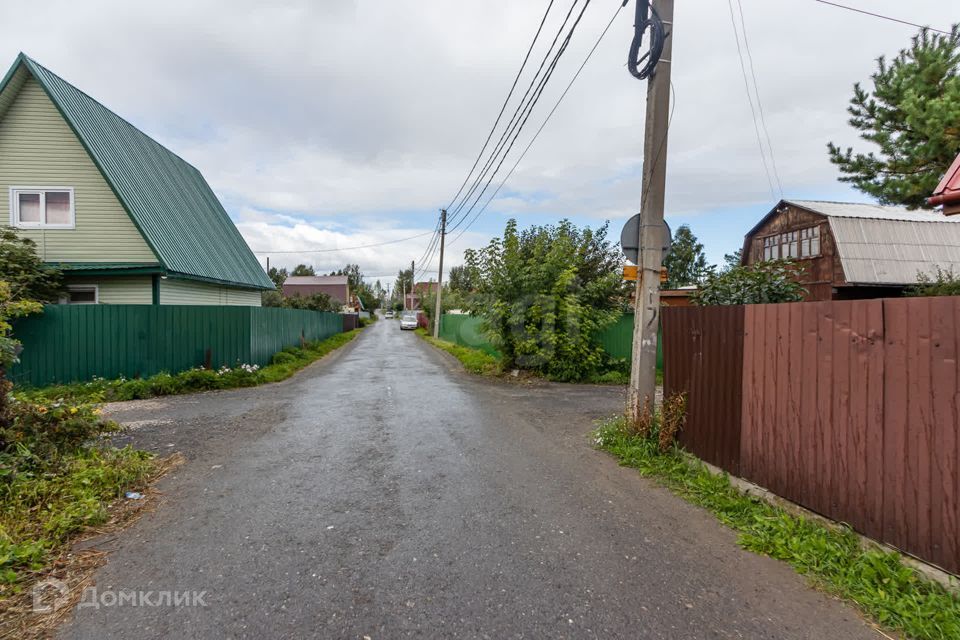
point(384, 493)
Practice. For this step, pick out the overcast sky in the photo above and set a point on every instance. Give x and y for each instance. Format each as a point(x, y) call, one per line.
point(336, 123)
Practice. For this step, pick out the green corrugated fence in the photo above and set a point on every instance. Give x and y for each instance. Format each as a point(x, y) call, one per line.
point(617, 339)
point(69, 343)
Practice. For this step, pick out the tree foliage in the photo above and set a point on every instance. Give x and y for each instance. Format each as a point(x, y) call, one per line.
point(544, 294)
point(758, 283)
point(732, 260)
point(459, 279)
point(27, 277)
point(303, 270)
point(912, 115)
point(279, 276)
point(686, 263)
point(315, 302)
point(403, 283)
point(943, 283)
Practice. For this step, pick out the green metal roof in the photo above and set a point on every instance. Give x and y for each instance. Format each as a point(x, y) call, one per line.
point(168, 199)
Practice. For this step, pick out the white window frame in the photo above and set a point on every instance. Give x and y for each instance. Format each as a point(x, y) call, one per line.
point(42, 192)
point(82, 287)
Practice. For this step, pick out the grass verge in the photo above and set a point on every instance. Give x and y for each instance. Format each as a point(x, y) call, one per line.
point(284, 364)
point(893, 595)
point(473, 360)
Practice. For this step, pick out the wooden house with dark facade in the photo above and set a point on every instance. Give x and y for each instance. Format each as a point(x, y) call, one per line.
point(850, 251)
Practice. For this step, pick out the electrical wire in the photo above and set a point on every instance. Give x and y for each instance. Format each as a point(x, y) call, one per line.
point(362, 246)
point(645, 17)
point(753, 111)
point(543, 124)
point(756, 93)
point(881, 16)
point(514, 121)
point(505, 102)
point(529, 111)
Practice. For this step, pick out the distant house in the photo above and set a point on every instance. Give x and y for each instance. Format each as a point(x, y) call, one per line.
point(851, 251)
point(947, 193)
point(415, 298)
point(127, 220)
point(337, 287)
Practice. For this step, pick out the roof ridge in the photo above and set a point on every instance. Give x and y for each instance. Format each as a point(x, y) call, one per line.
point(107, 109)
point(862, 204)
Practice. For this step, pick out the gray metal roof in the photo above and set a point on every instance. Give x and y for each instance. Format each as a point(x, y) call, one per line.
point(874, 211)
point(889, 245)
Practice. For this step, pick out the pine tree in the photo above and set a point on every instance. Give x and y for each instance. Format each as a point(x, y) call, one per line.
point(686, 264)
point(913, 116)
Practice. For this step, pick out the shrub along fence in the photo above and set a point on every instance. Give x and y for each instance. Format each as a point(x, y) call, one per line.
point(69, 343)
point(849, 408)
point(617, 339)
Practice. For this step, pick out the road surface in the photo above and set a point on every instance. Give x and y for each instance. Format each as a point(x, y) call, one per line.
point(384, 493)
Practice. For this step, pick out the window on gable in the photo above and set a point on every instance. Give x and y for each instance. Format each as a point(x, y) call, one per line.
point(42, 208)
point(791, 245)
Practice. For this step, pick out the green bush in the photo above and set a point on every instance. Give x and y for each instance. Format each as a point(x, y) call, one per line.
point(944, 283)
point(545, 294)
point(284, 364)
point(758, 283)
point(284, 357)
point(48, 430)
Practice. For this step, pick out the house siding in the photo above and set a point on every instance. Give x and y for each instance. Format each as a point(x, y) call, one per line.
point(38, 148)
point(128, 290)
point(820, 274)
point(173, 291)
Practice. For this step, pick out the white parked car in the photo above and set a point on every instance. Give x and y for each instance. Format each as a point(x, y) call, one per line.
point(408, 320)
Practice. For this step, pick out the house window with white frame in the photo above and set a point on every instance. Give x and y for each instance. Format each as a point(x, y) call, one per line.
point(42, 208)
point(81, 294)
point(791, 245)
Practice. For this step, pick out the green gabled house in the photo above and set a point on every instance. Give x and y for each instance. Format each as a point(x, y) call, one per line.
point(127, 220)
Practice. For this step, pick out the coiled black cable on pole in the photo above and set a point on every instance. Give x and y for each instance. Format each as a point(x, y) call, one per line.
point(646, 17)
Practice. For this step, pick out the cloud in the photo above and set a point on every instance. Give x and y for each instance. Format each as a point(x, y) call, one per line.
point(319, 122)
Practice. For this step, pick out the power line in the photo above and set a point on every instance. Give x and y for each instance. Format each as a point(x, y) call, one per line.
point(543, 124)
point(511, 126)
point(529, 111)
point(505, 102)
point(362, 246)
point(756, 93)
point(881, 16)
point(753, 112)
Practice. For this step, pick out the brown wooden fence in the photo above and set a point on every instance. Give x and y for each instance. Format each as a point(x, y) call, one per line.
point(849, 408)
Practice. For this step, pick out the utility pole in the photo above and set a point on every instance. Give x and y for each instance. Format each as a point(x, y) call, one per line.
point(643, 367)
point(412, 284)
point(437, 312)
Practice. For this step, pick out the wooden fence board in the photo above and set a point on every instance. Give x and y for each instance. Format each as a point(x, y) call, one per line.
point(850, 408)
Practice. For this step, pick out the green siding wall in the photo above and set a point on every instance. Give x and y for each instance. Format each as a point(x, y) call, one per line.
point(173, 291)
point(128, 290)
point(68, 343)
point(38, 148)
point(617, 339)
